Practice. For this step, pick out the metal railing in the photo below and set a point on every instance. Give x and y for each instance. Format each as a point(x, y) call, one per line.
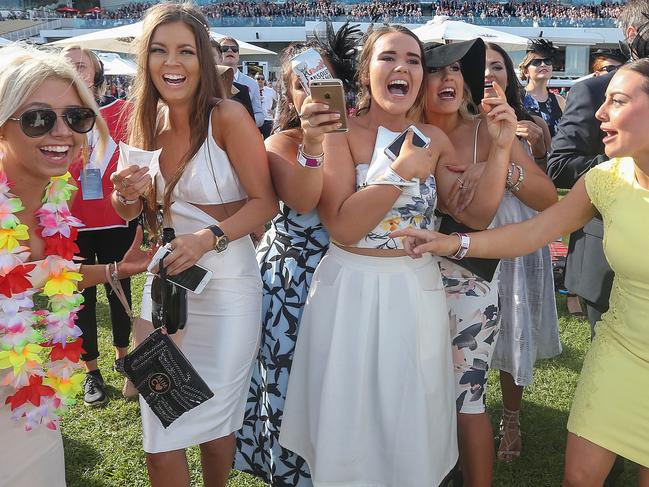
point(32, 31)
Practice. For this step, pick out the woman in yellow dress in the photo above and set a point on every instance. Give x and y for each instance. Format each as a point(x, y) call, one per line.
point(610, 411)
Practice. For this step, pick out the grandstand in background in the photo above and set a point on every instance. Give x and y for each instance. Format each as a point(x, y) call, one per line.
point(576, 26)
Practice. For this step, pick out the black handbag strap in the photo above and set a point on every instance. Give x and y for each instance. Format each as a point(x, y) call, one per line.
point(162, 272)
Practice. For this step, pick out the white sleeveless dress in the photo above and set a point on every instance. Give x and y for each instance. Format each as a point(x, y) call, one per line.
point(221, 338)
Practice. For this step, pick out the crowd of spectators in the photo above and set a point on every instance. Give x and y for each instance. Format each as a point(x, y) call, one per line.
point(534, 9)
point(379, 10)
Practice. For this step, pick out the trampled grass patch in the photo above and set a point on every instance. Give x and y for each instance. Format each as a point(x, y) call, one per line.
point(103, 446)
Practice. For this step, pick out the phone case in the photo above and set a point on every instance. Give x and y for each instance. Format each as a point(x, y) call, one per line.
point(394, 148)
point(331, 92)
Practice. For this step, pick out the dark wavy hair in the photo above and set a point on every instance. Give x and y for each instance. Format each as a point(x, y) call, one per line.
point(514, 89)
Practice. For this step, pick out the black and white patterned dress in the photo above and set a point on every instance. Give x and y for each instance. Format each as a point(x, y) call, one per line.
point(287, 257)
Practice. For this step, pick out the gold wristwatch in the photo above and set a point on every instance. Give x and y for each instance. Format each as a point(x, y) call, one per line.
point(221, 241)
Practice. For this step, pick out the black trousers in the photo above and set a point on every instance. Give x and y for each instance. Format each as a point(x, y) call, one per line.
point(266, 128)
point(104, 247)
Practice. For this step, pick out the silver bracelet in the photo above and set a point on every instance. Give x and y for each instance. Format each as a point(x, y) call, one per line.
point(521, 177)
point(509, 181)
point(465, 243)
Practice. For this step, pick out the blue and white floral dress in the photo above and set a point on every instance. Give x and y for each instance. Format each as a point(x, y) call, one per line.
point(287, 257)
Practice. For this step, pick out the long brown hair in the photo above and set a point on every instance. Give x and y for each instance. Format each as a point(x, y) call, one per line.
point(363, 73)
point(147, 101)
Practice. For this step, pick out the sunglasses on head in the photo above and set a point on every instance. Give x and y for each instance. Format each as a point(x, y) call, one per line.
point(227, 48)
point(40, 121)
point(537, 62)
point(608, 69)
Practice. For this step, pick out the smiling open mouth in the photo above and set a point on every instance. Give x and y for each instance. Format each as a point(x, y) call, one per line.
point(55, 152)
point(174, 79)
point(447, 94)
point(398, 87)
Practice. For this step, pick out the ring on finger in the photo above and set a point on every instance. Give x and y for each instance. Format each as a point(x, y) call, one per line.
point(124, 183)
point(308, 121)
point(461, 183)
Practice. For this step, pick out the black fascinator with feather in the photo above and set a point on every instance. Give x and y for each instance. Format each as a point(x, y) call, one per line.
point(542, 47)
point(341, 49)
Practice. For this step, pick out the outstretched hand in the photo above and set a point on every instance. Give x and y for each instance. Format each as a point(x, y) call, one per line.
point(416, 242)
point(135, 259)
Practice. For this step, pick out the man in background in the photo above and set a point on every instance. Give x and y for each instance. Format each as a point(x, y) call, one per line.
point(240, 92)
point(230, 54)
point(268, 104)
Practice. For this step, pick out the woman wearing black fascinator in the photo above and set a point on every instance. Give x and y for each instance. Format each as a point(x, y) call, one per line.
point(290, 252)
point(536, 68)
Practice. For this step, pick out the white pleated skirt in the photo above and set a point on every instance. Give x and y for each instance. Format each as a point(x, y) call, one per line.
point(221, 340)
point(371, 399)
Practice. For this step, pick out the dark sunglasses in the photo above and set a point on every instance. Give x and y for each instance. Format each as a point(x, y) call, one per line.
point(40, 121)
point(230, 48)
point(608, 69)
point(260, 79)
point(537, 62)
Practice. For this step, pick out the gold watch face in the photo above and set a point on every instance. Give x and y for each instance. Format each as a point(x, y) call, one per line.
point(221, 243)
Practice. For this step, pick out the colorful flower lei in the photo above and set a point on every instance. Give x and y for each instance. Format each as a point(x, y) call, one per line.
point(39, 349)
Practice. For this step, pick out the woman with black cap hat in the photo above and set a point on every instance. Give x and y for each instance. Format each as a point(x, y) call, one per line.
point(607, 60)
point(455, 88)
point(536, 69)
point(528, 312)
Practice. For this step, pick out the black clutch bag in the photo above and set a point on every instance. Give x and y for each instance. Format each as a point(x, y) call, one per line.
point(163, 376)
point(483, 268)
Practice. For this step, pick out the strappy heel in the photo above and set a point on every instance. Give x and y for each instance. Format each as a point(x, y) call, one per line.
point(510, 436)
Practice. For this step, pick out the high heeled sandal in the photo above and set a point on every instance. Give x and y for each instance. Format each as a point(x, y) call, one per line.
point(510, 437)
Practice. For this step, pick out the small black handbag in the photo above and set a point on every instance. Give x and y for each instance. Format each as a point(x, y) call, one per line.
point(483, 268)
point(163, 376)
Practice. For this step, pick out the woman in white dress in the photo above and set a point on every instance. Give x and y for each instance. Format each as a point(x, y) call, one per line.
point(44, 116)
point(214, 187)
point(371, 397)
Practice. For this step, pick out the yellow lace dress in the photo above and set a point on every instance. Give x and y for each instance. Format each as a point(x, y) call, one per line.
point(611, 404)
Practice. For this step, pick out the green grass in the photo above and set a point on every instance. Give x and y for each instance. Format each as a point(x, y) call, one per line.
point(103, 446)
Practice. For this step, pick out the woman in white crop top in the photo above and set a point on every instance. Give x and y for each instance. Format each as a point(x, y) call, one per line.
point(371, 396)
point(215, 189)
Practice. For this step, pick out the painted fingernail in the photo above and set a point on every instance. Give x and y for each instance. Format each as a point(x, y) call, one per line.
point(338, 125)
point(336, 115)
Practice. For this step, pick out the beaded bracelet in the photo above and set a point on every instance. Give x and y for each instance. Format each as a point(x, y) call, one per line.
point(521, 177)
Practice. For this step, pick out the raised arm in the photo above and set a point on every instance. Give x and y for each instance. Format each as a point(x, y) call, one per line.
point(298, 186)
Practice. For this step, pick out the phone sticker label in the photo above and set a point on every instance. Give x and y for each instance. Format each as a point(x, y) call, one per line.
point(308, 66)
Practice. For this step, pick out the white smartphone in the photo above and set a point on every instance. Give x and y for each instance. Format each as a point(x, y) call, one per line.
point(193, 279)
point(418, 139)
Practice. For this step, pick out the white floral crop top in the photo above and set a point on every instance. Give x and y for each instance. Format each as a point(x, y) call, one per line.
point(414, 208)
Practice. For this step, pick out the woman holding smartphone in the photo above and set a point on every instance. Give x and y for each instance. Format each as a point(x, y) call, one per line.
point(455, 85)
point(609, 411)
point(289, 254)
point(529, 327)
point(214, 188)
point(371, 398)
